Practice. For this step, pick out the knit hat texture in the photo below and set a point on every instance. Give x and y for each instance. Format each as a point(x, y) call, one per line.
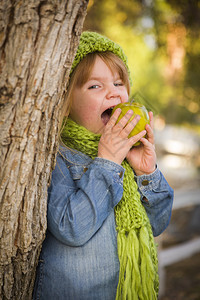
point(94, 42)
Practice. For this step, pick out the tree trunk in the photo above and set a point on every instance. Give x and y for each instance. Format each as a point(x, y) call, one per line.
point(38, 41)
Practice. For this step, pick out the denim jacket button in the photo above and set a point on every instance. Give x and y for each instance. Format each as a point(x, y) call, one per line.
point(145, 182)
point(145, 200)
point(121, 174)
point(85, 169)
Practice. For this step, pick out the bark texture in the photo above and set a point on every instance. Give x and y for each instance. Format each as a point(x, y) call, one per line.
point(38, 41)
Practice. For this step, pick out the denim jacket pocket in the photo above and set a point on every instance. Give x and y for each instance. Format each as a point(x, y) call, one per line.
point(77, 171)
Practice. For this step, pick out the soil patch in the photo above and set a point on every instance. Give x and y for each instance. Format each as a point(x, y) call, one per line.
point(183, 280)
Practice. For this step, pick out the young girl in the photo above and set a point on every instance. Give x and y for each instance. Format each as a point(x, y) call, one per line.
point(107, 198)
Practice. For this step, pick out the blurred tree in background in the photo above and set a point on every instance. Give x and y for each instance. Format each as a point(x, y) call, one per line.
point(162, 41)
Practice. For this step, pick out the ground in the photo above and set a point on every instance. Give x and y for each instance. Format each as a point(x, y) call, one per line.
point(183, 278)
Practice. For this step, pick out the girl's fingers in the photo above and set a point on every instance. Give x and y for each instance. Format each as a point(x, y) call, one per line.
point(122, 126)
point(134, 139)
point(111, 123)
point(150, 134)
point(129, 127)
point(124, 120)
point(151, 119)
point(145, 142)
point(125, 126)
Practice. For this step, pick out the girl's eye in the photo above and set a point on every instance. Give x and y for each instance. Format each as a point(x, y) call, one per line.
point(94, 86)
point(118, 84)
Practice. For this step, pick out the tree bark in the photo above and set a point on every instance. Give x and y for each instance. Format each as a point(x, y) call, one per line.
point(38, 41)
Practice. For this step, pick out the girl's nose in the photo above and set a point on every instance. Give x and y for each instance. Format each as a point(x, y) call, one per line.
point(112, 92)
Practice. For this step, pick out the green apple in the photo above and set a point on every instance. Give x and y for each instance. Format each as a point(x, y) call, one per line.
point(138, 109)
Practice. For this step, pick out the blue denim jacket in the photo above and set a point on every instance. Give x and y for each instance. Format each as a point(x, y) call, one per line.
point(79, 258)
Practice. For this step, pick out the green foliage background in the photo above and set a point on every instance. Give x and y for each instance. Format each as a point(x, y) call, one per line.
point(146, 30)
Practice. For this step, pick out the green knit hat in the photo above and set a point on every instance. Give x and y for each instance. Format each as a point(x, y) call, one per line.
point(94, 42)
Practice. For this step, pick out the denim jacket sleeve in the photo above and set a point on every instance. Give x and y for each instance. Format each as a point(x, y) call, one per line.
point(81, 198)
point(157, 198)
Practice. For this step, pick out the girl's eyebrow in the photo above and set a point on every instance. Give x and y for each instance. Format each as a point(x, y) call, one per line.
point(96, 78)
point(102, 78)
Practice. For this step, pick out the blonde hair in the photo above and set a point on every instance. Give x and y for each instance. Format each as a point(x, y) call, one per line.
point(81, 74)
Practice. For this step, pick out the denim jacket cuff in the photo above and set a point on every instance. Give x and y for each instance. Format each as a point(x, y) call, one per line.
point(147, 184)
point(147, 180)
point(111, 166)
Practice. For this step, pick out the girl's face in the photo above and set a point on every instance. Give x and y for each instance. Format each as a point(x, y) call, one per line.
point(92, 103)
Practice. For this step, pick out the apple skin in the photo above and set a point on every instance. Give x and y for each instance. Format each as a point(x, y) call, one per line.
point(138, 109)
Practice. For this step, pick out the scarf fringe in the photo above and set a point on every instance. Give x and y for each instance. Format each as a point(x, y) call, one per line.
point(137, 276)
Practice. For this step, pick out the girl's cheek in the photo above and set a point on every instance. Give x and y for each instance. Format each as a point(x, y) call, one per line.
point(124, 100)
point(125, 96)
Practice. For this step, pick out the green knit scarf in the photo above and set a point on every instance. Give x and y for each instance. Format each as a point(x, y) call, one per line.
point(138, 276)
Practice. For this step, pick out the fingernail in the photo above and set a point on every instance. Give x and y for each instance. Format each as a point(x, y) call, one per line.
point(130, 112)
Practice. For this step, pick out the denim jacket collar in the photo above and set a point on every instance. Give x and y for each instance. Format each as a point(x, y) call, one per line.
point(74, 157)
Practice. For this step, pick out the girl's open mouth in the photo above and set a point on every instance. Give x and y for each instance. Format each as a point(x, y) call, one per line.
point(105, 116)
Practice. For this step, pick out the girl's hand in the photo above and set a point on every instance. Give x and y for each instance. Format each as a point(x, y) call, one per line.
point(143, 157)
point(114, 144)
